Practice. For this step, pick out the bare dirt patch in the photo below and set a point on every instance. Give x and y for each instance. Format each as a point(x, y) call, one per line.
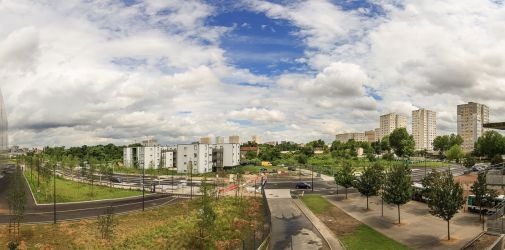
point(338, 221)
point(483, 242)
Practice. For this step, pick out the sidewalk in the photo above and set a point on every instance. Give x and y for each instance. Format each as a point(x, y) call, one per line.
point(321, 227)
point(419, 229)
point(291, 229)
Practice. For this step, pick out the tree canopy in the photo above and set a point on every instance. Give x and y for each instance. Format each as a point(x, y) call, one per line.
point(345, 177)
point(445, 142)
point(370, 181)
point(401, 142)
point(455, 153)
point(491, 143)
point(398, 186)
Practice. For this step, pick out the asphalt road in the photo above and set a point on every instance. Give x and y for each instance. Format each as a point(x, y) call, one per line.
point(80, 210)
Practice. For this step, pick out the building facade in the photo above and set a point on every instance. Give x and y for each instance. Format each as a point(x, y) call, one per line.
point(471, 117)
point(390, 122)
point(4, 139)
point(370, 136)
point(207, 158)
point(205, 140)
point(234, 139)
point(149, 157)
point(256, 139)
point(345, 137)
point(219, 140)
point(424, 128)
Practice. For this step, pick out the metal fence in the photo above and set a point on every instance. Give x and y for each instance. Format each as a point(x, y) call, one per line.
point(259, 238)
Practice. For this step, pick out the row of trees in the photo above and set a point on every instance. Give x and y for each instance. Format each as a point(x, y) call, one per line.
point(444, 196)
point(109, 152)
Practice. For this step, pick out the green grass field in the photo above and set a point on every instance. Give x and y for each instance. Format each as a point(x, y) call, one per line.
point(363, 237)
point(316, 203)
point(174, 226)
point(70, 191)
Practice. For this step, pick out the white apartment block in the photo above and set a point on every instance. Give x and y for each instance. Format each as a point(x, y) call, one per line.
point(149, 157)
point(345, 137)
point(471, 117)
point(205, 140)
point(206, 158)
point(378, 135)
point(390, 122)
point(199, 154)
point(424, 128)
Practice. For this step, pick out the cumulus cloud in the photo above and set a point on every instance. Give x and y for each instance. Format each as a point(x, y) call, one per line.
point(258, 114)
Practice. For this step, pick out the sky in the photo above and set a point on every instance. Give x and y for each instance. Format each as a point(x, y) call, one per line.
point(95, 72)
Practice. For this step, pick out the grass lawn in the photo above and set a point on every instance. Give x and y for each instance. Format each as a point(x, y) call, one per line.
point(351, 232)
point(169, 227)
point(365, 237)
point(69, 191)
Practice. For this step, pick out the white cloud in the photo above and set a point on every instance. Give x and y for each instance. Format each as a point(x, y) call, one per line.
point(258, 114)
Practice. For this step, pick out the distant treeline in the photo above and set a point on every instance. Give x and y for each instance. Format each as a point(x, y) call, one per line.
point(109, 152)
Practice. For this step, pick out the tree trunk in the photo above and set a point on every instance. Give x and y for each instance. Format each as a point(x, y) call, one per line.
point(448, 232)
point(346, 193)
point(382, 205)
point(367, 202)
point(398, 213)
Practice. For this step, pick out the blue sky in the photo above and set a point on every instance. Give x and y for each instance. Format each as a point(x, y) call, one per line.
point(258, 43)
point(296, 70)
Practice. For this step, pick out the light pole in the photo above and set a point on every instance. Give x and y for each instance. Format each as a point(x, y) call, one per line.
point(54, 194)
point(143, 190)
point(312, 178)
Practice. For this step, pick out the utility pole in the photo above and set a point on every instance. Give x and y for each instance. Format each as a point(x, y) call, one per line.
point(312, 178)
point(54, 194)
point(191, 179)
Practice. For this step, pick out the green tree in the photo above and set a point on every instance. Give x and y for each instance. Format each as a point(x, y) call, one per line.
point(16, 199)
point(370, 181)
point(398, 186)
point(445, 142)
point(107, 223)
point(481, 192)
point(469, 161)
point(301, 158)
point(491, 143)
point(455, 153)
point(385, 144)
point(345, 176)
point(497, 159)
point(206, 215)
point(401, 142)
point(444, 196)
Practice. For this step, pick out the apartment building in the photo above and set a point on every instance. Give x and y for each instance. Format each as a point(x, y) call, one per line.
point(424, 128)
point(234, 139)
point(471, 117)
point(370, 136)
point(207, 158)
point(345, 137)
point(390, 122)
point(219, 140)
point(149, 156)
point(205, 140)
point(256, 139)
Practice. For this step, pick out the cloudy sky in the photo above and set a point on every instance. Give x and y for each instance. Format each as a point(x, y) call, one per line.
point(92, 72)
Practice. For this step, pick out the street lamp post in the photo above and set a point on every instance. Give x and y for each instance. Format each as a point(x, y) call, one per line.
point(143, 190)
point(312, 178)
point(54, 194)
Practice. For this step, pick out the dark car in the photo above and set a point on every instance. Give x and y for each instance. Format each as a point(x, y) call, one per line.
point(116, 179)
point(263, 170)
point(303, 185)
point(291, 168)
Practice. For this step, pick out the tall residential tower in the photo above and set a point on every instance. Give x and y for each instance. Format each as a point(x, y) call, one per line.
point(390, 122)
point(471, 117)
point(424, 128)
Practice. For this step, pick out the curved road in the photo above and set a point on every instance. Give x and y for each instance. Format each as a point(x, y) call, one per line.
point(79, 210)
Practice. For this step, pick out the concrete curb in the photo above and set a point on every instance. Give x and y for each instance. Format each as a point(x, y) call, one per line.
point(327, 234)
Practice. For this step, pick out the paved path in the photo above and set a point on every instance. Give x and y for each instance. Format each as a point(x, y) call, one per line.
point(291, 229)
point(419, 229)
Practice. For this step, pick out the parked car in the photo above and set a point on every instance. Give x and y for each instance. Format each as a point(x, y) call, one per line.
point(477, 168)
point(273, 171)
point(291, 168)
point(263, 169)
point(303, 185)
point(116, 179)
